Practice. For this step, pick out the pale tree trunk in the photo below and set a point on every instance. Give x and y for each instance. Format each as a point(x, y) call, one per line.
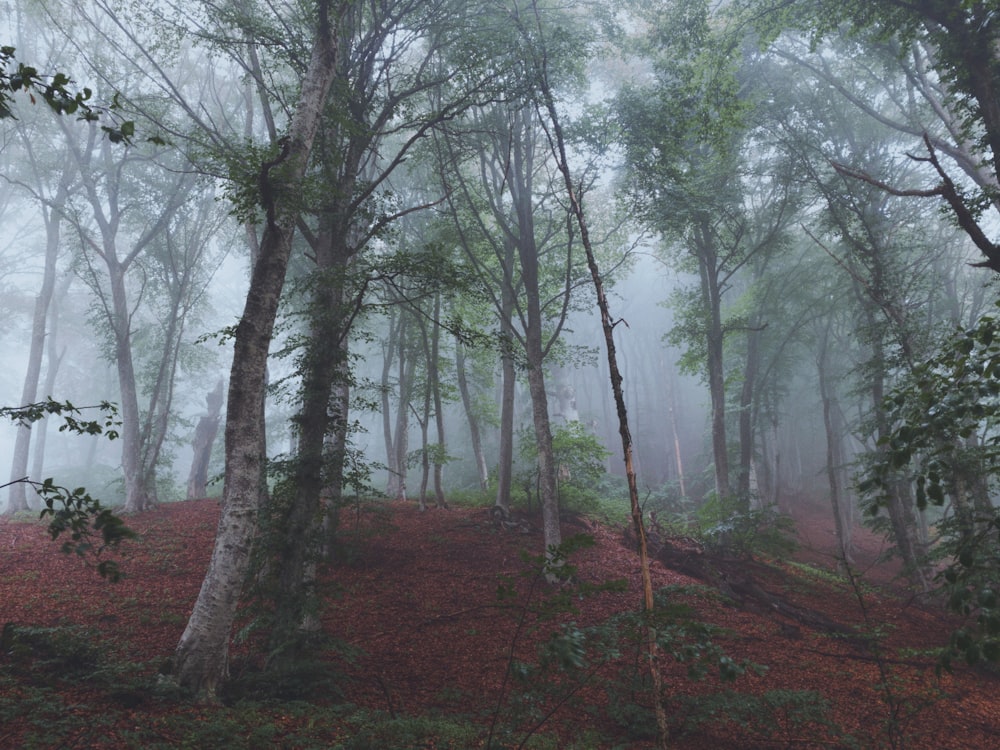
point(672, 401)
point(424, 417)
point(505, 458)
point(138, 496)
point(743, 490)
point(401, 444)
point(424, 420)
point(388, 358)
point(52, 216)
point(396, 431)
point(103, 187)
point(54, 358)
point(202, 655)
point(433, 376)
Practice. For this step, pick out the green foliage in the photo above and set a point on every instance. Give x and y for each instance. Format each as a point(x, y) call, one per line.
point(566, 659)
point(106, 425)
point(728, 526)
point(379, 730)
point(56, 90)
point(680, 635)
point(294, 679)
point(573, 655)
point(92, 528)
point(945, 440)
point(57, 653)
point(774, 715)
point(579, 459)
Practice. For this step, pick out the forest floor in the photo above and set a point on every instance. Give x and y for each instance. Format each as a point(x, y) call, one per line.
point(425, 611)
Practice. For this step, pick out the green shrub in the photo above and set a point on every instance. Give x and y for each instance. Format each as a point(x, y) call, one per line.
point(728, 526)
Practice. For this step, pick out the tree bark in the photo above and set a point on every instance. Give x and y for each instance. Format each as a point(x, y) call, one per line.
point(434, 377)
point(711, 292)
point(834, 455)
point(608, 326)
point(475, 438)
point(750, 368)
point(204, 439)
point(52, 217)
point(201, 658)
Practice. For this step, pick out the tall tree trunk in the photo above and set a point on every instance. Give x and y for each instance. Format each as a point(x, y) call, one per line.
point(711, 294)
point(204, 438)
point(608, 326)
point(433, 376)
point(834, 456)
point(54, 358)
point(52, 216)
point(900, 500)
point(475, 438)
point(301, 529)
point(672, 408)
point(389, 348)
point(750, 368)
point(138, 496)
point(522, 172)
point(508, 384)
point(201, 659)
point(401, 439)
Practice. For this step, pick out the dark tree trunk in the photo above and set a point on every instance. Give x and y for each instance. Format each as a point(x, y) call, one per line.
point(475, 438)
point(204, 439)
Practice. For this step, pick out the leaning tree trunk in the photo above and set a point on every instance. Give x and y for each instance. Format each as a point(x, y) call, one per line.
point(388, 358)
point(202, 656)
point(608, 326)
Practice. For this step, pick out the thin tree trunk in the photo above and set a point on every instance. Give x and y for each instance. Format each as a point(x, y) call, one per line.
point(204, 439)
point(388, 357)
point(608, 325)
point(711, 298)
point(672, 399)
point(833, 454)
point(475, 438)
point(52, 215)
point(743, 490)
point(508, 383)
point(434, 376)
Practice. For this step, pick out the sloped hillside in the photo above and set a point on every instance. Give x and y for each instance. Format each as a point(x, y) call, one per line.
point(443, 635)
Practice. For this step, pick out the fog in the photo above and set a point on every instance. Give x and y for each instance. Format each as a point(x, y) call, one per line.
point(766, 286)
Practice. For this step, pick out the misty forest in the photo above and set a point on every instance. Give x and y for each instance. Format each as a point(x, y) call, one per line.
point(500, 373)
